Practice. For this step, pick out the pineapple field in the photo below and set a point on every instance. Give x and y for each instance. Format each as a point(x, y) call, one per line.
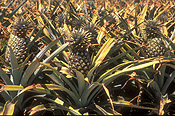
point(87, 57)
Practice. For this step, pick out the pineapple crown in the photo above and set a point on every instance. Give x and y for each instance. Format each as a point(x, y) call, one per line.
point(79, 21)
point(79, 39)
point(59, 20)
point(90, 27)
point(151, 28)
point(21, 28)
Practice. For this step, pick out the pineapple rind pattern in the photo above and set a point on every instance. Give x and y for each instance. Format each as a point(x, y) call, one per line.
point(18, 42)
point(151, 29)
point(154, 48)
point(80, 56)
point(153, 43)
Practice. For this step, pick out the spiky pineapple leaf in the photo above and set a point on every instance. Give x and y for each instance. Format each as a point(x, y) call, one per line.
point(8, 108)
point(104, 111)
point(168, 82)
point(143, 64)
point(58, 74)
point(89, 93)
point(103, 52)
point(44, 50)
point(22, 65)
point(56, 52)
point(14, 11)
point(11, 88)
point(15, 73)
point(81, 81)
point(29, 71)
point(50, 107)
point(5, 77)
point(39, 87)
point(35, 38)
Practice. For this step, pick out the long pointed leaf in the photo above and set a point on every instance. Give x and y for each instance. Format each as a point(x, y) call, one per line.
point(87, 92)
point(5, 77)
point(81, 82)
point(44, 50)
point(14, 65)
point(110, 78)
point(8, 108)
point(29, 71)
point(17, 9)
point(63, 78)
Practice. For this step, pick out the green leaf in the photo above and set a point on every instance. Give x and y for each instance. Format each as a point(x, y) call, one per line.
point(32, 97)
point(44, 50)
point(85, 98)
point(168, 82)
point(110, 71)
point(17, 9)
point(90, 74)
point(14, 65)
point(61, 88)
point(48, 59)
point(59, 75)
point(81, 81)
point(36, 37)
point(5, 77)
point(161, 78)
point(112, 77)
point(29, 71)
point(55, 79)
point(5, 95)
point(103, 52)
point(50, 107)
point(3, 62)
point(22, 65)
point(56, 52)
point(156, 90)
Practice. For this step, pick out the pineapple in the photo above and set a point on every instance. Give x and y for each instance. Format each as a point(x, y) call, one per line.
point(18, 41)
point(80, 54)
point(154, 46)
point(151, 29)
point(91, 28)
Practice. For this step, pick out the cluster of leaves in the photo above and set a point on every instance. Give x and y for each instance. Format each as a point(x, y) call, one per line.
point(122, 80)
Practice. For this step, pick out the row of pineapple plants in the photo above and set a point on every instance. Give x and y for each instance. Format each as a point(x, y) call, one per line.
point(86, 57)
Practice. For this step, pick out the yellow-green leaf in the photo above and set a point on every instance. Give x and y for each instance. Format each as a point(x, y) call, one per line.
point(11, 87)
point(8, 108)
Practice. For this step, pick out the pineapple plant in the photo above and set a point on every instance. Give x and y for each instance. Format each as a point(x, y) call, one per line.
point(154, 46)
point(91, 28)
point(80, 54)
point(18, 41)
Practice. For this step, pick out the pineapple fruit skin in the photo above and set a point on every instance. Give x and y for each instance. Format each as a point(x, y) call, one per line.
point(19, 47)
point(18, 42)
point(154, 46)
point(80, 54)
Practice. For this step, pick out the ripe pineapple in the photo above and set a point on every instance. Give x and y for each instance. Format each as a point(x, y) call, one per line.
point(151, 29)
point(80, 55)
point(18, 41)
point(91, 28)
point(154, 46)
